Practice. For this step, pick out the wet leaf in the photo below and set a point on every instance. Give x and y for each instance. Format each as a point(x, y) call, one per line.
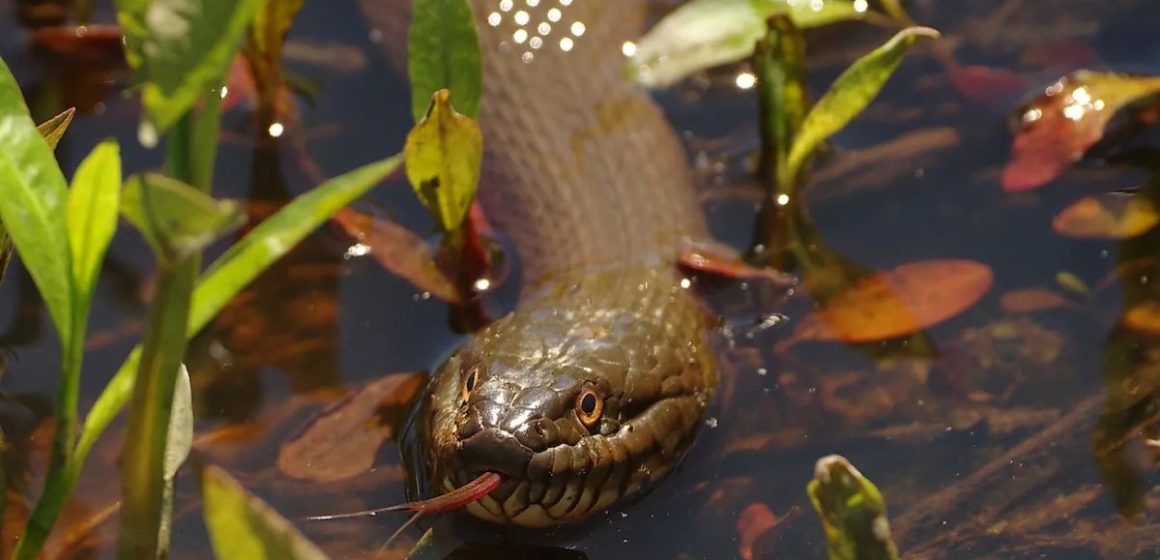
point(399, 251)
point(1107, 216)
point(53, 129)
point(753, 522)
point(176, 219)
point(343, 440)
point(1072, 283)
point(1058, 127)
point(243, 526)
point(444, 54)
point(851, 93)
point(852, 510)
point(182, 50)
point(1030, 300)
point(1143, 317)
point(33, 194)
point(716, 259)
point(92, 208)
point(443, 154)
point(912, 297)
point(702, 34)
point(177, 446)
point(271, 25)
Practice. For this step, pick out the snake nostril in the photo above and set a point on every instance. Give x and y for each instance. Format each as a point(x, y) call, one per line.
point(537, 434)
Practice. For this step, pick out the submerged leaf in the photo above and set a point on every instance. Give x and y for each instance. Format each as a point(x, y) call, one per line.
point(1058, 127)
point(53, 129)
point(175, 218)
point(912, 297)
point(851, 93)
point(852, 510)
point(400, 251)
point(243, 526)
point(343, 440)
point(705, 33)
point(1029, 300)
point(444, 54)
point(1108, 216)
point(443, 155)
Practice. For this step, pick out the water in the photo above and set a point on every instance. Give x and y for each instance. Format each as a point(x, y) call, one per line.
point(982, 452)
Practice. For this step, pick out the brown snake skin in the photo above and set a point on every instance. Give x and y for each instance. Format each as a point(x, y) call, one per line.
point(585, 175)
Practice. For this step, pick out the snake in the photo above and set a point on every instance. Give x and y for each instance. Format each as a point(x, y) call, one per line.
point(591, 391)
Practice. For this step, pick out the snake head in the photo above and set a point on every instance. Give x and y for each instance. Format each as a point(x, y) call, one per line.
point(576, 411)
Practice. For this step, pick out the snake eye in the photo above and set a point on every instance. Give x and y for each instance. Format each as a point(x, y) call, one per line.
point(589, 406)
point(469, 382)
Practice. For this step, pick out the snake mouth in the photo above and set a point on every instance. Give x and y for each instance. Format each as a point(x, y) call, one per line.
point(493, 450)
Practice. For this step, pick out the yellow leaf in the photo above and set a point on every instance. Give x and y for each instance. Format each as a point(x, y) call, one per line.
point(1108, 216)
point(443, 154)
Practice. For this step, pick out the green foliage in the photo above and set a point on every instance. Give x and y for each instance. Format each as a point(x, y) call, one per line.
point(705, 33)
point(444, 153)
point(178, 444)
point(243, 526)
point(851, 93)
point(176, 219)
point(181, 49)
point(444, 54)
point(852, 510)
point(92, 215)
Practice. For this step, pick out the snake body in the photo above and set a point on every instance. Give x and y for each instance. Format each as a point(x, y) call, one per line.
point(587, 178)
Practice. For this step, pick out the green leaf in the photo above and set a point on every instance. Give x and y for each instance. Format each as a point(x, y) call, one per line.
point(177, 447)
point(444, 54)
point(53, 129)
point(131, 16)
point(232, 272)
point(702, 34)
point(187, 47)
point(852, 92)
point(32, 203)
point(852, 510)
point(92, 214)
point(444, 153)
point(243, 526)
point(271, 25)
point(176, 219)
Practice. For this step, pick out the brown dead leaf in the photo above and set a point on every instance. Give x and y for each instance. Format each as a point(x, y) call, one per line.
point(912, 297)
point(1030, 300)
point(753, 522)
point(1108, 216)
point(1058, 127)
point(718, 259)
point(342, 440)
point(399, 251)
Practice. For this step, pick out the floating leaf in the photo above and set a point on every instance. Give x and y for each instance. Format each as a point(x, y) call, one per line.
point(1143, 317)
point(443, 156)
point(1108, 216)
point(705, 33)
point(92, 214)
point(1071, 115)
point(243, 526)
point(399, 251)
point(852, 510)
point(716, 259)
point(851, 93)
point(183, 50)
point(53, 129)
point(1032, 299)
point(912, 297)
point(176, 219)
point(444, 54)
point(343, 440)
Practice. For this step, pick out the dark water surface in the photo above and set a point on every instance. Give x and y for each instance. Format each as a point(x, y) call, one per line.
point(983, 451)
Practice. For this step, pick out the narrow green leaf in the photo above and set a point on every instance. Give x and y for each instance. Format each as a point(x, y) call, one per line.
point(177, 447)
point(92, 214)
point(32, 200)
point(53, 129)
point(702, 34)
point(243, 526)
point(187, 49)
point(852, 510)
point(231, 273)
point(176, 219)
point(271, 24)
point(444, 54)
point(780, 65)
point(131, 16)
point(444, 153)
point(852, 92)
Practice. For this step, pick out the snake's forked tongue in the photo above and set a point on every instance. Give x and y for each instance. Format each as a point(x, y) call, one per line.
point(453, 500)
